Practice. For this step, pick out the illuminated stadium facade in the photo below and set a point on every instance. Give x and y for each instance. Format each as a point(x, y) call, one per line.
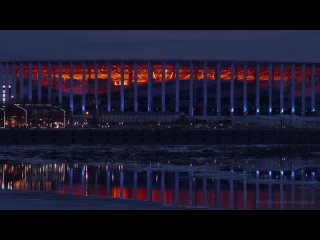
point(197, 88)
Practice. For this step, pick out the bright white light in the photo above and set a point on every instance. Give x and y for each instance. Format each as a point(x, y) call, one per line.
point(270, 173)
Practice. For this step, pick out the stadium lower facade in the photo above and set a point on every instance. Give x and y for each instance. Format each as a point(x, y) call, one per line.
point(196, 88)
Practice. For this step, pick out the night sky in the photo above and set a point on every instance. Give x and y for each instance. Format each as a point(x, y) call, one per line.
point(272, 45)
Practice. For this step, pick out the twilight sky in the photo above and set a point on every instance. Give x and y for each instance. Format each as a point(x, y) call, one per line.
point(276, 45)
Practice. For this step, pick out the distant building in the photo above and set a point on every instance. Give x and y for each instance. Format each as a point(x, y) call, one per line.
point(196, 88)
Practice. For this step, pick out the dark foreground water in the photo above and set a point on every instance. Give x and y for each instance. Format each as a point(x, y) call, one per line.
point(209, 181)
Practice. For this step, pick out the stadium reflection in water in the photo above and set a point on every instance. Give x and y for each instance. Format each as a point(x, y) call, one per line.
point(213, 186)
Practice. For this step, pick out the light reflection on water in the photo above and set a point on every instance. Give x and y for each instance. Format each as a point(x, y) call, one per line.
point(216, 186)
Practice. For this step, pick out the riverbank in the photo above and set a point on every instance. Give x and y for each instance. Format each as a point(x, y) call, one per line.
point(151, 136)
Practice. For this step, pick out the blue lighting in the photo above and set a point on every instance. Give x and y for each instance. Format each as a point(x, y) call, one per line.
point(122, 106)
point(71, 173)
point(313, 174)
point(83, 108)
point(71, 105)
point(244, 109)
point(270, 173)
point(281, 111)
point(258, 110)
point(313, 110)
point(270, 110)
point(292, 110)
point(292, 173)
point(258, 172)
point(281, 172)
point(232, 110)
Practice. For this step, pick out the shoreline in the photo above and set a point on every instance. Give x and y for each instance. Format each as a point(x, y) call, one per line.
point(154, 136)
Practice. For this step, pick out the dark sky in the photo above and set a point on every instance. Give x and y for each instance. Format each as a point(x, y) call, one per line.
point(192, 44)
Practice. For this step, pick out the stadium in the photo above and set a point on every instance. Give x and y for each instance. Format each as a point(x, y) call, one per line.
point(206, 89)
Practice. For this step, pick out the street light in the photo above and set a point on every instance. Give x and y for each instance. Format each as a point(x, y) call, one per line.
point(26, 112)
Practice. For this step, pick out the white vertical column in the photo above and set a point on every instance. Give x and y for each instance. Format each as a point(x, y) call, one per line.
point(14, 83)
point(314, 191)
point(122, 88)
point(245, 192)
point(176, 188)
point(205, 89)
point(21, 82)
point(121, 182)
point(303, 89)
point(96, 183)
point(313, 89)
point(270, 192)
point(39, 82)
point(232, 90)
point(281, 88)
point(83, 89)
point(71, 180)
point(162, 186)
point(270, 88)
point(7, 82)
point(135, 184)
point(245, 75)
point(231, 193)
point(257, 195)
point(293, 199)
point(96, 76)
point(177, 105)
point(49, 83)
point(109, 87)
point(163, 93)
point(108, 183)
point(204, 190)
point(135, 88)
point(60, 84)
point(218, 89)
point(83, 180)
point(150, 76)
point(190, 176)
point(293, 97)
point(258, 89)
point(30, 84)
point(281, 190)
point(217, 193)
point(71, 88)
point(303, 188)
point(149, 185)
point(191, 91)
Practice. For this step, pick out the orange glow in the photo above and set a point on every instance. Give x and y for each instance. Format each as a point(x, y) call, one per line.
point(142, 75)
point(115, 192)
